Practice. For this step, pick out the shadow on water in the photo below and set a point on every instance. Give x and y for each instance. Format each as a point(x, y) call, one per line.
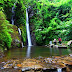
point(36, 51)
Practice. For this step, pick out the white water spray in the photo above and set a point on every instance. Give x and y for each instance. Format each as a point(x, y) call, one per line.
point(59, 70)
point(22, 45)
point(28, 31)
point(19, 31)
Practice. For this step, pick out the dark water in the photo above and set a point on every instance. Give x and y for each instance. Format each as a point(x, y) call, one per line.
point(36, 51)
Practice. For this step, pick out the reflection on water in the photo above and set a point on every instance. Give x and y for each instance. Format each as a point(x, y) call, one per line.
point(36, 51)
point(28, 51)
point(50, 51)
point(60, 51)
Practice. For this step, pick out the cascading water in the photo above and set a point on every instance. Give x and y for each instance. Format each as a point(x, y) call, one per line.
point(13, 13)
point(19, 31)
point(28, 31)
point(59, 70)
point(20, 34)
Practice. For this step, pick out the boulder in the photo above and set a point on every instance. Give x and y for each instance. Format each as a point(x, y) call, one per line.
point(55, 46)
point(69, 43)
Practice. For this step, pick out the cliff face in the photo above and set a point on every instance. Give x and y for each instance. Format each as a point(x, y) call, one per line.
point(30, 12)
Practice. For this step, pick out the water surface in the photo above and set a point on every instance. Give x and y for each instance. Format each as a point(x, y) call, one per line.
point(36, 51)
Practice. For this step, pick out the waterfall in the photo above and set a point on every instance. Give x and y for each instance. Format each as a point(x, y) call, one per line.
point(13, 13)
point(28, 31)
point(20, 34)
point(22, 45)
point(28, 51)
point(59, 70)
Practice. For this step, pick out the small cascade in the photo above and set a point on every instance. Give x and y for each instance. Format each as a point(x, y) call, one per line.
point(13, 13)
point(22, 45)
point(20, 34)
point(19, 31)
point(59, 70)
point(28, 51)
point(28, 31)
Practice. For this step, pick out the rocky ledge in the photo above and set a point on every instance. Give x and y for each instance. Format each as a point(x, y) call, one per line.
point(40, 64)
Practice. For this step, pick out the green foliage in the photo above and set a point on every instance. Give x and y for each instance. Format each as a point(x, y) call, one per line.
point(20, 13)
point(21, 18)
point(5, 37)
point(52, 19)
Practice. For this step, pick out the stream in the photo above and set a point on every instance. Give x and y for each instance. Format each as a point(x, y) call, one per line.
point(40, 57)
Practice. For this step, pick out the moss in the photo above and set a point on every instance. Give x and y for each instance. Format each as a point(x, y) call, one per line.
point(5, 37)
point(15, 36)
point(18, 45)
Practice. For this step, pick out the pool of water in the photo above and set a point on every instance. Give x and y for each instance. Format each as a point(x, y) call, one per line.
point(35, 51)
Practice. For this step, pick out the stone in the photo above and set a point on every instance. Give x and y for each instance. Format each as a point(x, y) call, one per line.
point(62, 47)
point(51, 45)
point(8, 66)
point(26, 69)
point(55, 46)
point(70, 54)
point(17, 41)
point(53, 64)
point(70, 43)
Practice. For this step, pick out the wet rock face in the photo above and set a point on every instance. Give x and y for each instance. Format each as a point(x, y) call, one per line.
point(16, 38)
point(30, 12)
point(33, 38)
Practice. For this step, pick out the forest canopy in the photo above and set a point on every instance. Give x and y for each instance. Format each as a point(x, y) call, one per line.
point(51, 19)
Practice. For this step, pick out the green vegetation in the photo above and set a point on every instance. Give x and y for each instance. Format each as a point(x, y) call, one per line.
point(51, 19)
point(21, 19)
point(5, 37)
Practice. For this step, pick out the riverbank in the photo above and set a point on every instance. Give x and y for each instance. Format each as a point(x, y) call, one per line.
point(42, 59)
point(39, 64)
point(64, 44)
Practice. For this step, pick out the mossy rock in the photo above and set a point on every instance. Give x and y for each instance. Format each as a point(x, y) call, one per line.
point(16, 38)
point(24, 35)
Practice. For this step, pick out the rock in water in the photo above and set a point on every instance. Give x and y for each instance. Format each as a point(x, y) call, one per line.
point(70, 43)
